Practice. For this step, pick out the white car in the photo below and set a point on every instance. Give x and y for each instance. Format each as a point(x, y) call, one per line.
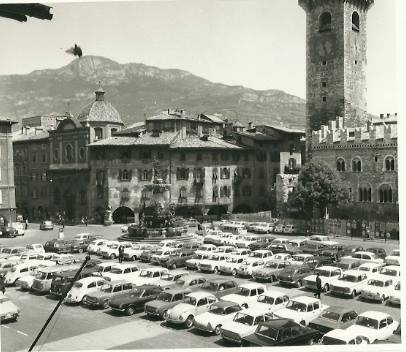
point(148, 276)
point(394, 298)
point(193, 263)
point(279, 228)
point(213, 263)
point(259, 254)
point(105, 267)
point(271, 301)
point(248, 266)
point(224, 249)
point(35, 248)
point(124, 228)
point(343, 337)
point(284, 257)
point(370, 268)
point(247, 294)
point(246, 241)
point(262, 228)
point(393, 258)
point(349, 284)
point(163, 254)
point(8, 310)
point(280, 240)
point(20, 270)
point(218, 314)
point(231, 265)
point(327, 275)
point(83, 287)
point(206, 248)
point(212, 237)
point(112, 250)
point(229, 239)
point(244, 323)
point(302, 309)
point(95, 246)
point(391, 270)
point(196, 303)
point(106, 246)
point(374, 326)
point(298, 242)
point(378, 288)
point(134, 252)
point(122, 271)
point(365, 257)
point(289, 229)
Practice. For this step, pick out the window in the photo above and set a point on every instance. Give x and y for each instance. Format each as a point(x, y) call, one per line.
point(182, 173)
point(225, 191)
point(364, 194)
point(385, 194)
point(225, 173)
point(98, 133)
point(340, 165)
point(324, 84)
point(389, 163)
point(82, 153)
point(356, 165)
point(68, 152)
point(144, 175)
point(355, 22)
point(124, 175)
point(325, 22)
point(113, 130)
point(324, 99)
point(292, 163)
point(44, 157)
point(324, 63)
point(202, 302)
point(215, 174)
point(215, 193)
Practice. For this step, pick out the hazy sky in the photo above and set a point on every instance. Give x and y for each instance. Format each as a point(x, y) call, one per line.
point(256, 43)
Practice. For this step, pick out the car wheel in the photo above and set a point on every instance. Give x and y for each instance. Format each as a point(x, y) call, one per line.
point(173, 266)
point(234, 272)
point(299, 283)
point(216, 270)
point(189, 321)
point(105, 304)
point(383, 299)
point(326, 288)
point(353, 294)
point(112, 256)
point(134, 258)
point(303, 323)
point(165, 315)
point(273, 278)
point(217, 330)
point(129, 310)
point(244, 305)
point(311, 341)
point(80, 250)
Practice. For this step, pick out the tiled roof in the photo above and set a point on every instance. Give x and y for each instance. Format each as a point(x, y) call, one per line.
point(133, 128)
point(6, 119)
point(196, 142)
point(286, 129)
point(214, 118)
point(31, 136)
point(114, 141)
point(164, 138)
point(100, 111)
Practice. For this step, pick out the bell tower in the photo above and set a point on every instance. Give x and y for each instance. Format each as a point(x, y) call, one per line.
point(336, 59)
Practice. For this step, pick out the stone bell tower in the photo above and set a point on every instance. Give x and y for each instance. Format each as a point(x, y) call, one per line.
point(336, 59)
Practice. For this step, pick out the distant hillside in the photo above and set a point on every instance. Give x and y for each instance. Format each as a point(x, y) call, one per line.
point(138, 90)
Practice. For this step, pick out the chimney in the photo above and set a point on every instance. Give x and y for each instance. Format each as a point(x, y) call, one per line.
point(396, 114)
point(250, 125)
point(388, 115)
point(381, 116)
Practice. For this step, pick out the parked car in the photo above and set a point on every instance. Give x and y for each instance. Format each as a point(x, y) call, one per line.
point(283, 248)
point(12, 251)
point(166, 300)
point(84, 287)
point(134, 252)
point(148, 276)
point(195, 303)
point(7, 265)
point(348, 264)
point(168, 280)
point(218, 314)
point(371, 268)
point(162, 255)
point(8, 310)
point(349, 284)
point(35, 248)
point(271, 301)
point(334, 317)
point(243, 324)
point(8, 231)
point(378, 288)
point(111, 251)
point(246, 294)
point(365, 257)
point(212, 263)
point(315, 248)
point(20, 228)
point(122, 271)
point(247, 266)
point(179, 259)
point(130, 302)
point(145, 256)
point(279, 228)
point(343, 337)
point(394, 298)
point(286, 257)
point(20, 270)
point(58, 246)
point(395, 338)
point(281, 332)
point(304, 259)
point(206, 249)
point(289, 229)
point(293, 275)
point(231, 265)
point(220, 287)
point(379, 251)
point(262, 243)
point(262, 228)
point(391, 270)
point(327, 275)
point(102, 297)
point(191, 281)
point(46, 225)
point(270, 271)
point(193, 263)
point(95, 245)
point(302, 309)
point(374, 326)
point(393, 258)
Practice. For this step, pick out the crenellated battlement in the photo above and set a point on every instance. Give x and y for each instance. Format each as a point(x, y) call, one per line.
point(379, 131)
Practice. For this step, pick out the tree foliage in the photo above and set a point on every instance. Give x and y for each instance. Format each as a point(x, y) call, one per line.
point(318, 188)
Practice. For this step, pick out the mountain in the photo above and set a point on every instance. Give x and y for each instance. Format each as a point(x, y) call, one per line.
point(138, 90)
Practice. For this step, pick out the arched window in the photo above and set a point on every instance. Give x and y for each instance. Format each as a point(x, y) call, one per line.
point(364, 193)
point(113, 130)
point(325, 22)
point(68, 152)
point(145, 175)
point(356, 165)
point(98, 133)
point(340, 165)
point(355, 21)
point(225, 173)
point(82, 153)
point(385, 194)
point(389, 163)
point(125, 175)
point(224, 191)
point(292, 163)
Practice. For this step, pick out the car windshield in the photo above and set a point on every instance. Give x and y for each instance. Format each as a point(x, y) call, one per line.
point(322, 272)
point(395, 253)
point(349, 278)
point(116, 271)
point(390, 272)
point(297, 306)
point(7, 250)
point(330, 315)
point(243, 318)
point(367, 322)
point(210, 286)
point(159, 252)
point(364, 268)
point(165, 297)
point(327, 340)
point(299, 258)
point(232, 260)
point(147, 273)
point(244, 291)
point(215, 257)
point(397, 287)
point(377, 283)
point(218, 310)
point(107, 288)
point(42, 276)
point(256, 255)
point(167, 277)
point(272, 265)
point(266, 299)
point(78, 285)
point(190, 300)
point(267, 331)
point(290, 271)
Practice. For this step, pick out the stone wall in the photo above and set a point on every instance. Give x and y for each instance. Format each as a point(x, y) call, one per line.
point(284, 185)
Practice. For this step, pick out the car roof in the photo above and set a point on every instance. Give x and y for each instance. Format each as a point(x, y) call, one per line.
point(303, 255)
point(119, 282)
point(124, 265)
point(373, 314)
point(365, 252)
point(305, 299)
point(370, 265)
point(155, 269)
point(392, 267)
point(341, 334)
point(90, 279)
point(273, 293)
point(353, 272)
point(339, 309)
point(279, 323)
point(225, 304)
point(348, 260)
point(254, 311)
point(191, 277)
point(328, 267)
point(219, 280)
point(382, 277)
point(261, 251)
point(200, 294)
point(251, 285)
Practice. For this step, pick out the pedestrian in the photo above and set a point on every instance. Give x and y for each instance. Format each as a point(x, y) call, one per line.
point(26, 223)
point(318, 286)
point(387, 236)
point(82, 220)
point(86, 221)
point(2, 284)
point(120, 254)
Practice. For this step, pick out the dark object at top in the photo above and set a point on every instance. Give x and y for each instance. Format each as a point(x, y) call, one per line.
point(75, 51)
point(19, 12)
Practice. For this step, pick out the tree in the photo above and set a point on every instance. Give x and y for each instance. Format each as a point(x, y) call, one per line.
point(318, 188)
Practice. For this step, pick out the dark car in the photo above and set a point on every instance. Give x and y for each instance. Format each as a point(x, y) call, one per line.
point(219, 287)
point(334, 317)
point(348, 264)
point(166, 300)
point(145, 256)
point(293, 275)
point(270, 271)
point(284, 248)
point(61, 281)
point(178, 260)
point(281, 332)
point(58, 246)
point(380, 252)
point(313, 248)
point(262, 243)
point(79, 246)
point(7, 231)
point(130, 302)
point(337, 251)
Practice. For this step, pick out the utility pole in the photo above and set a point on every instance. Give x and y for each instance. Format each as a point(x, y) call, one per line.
point(59, 303)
